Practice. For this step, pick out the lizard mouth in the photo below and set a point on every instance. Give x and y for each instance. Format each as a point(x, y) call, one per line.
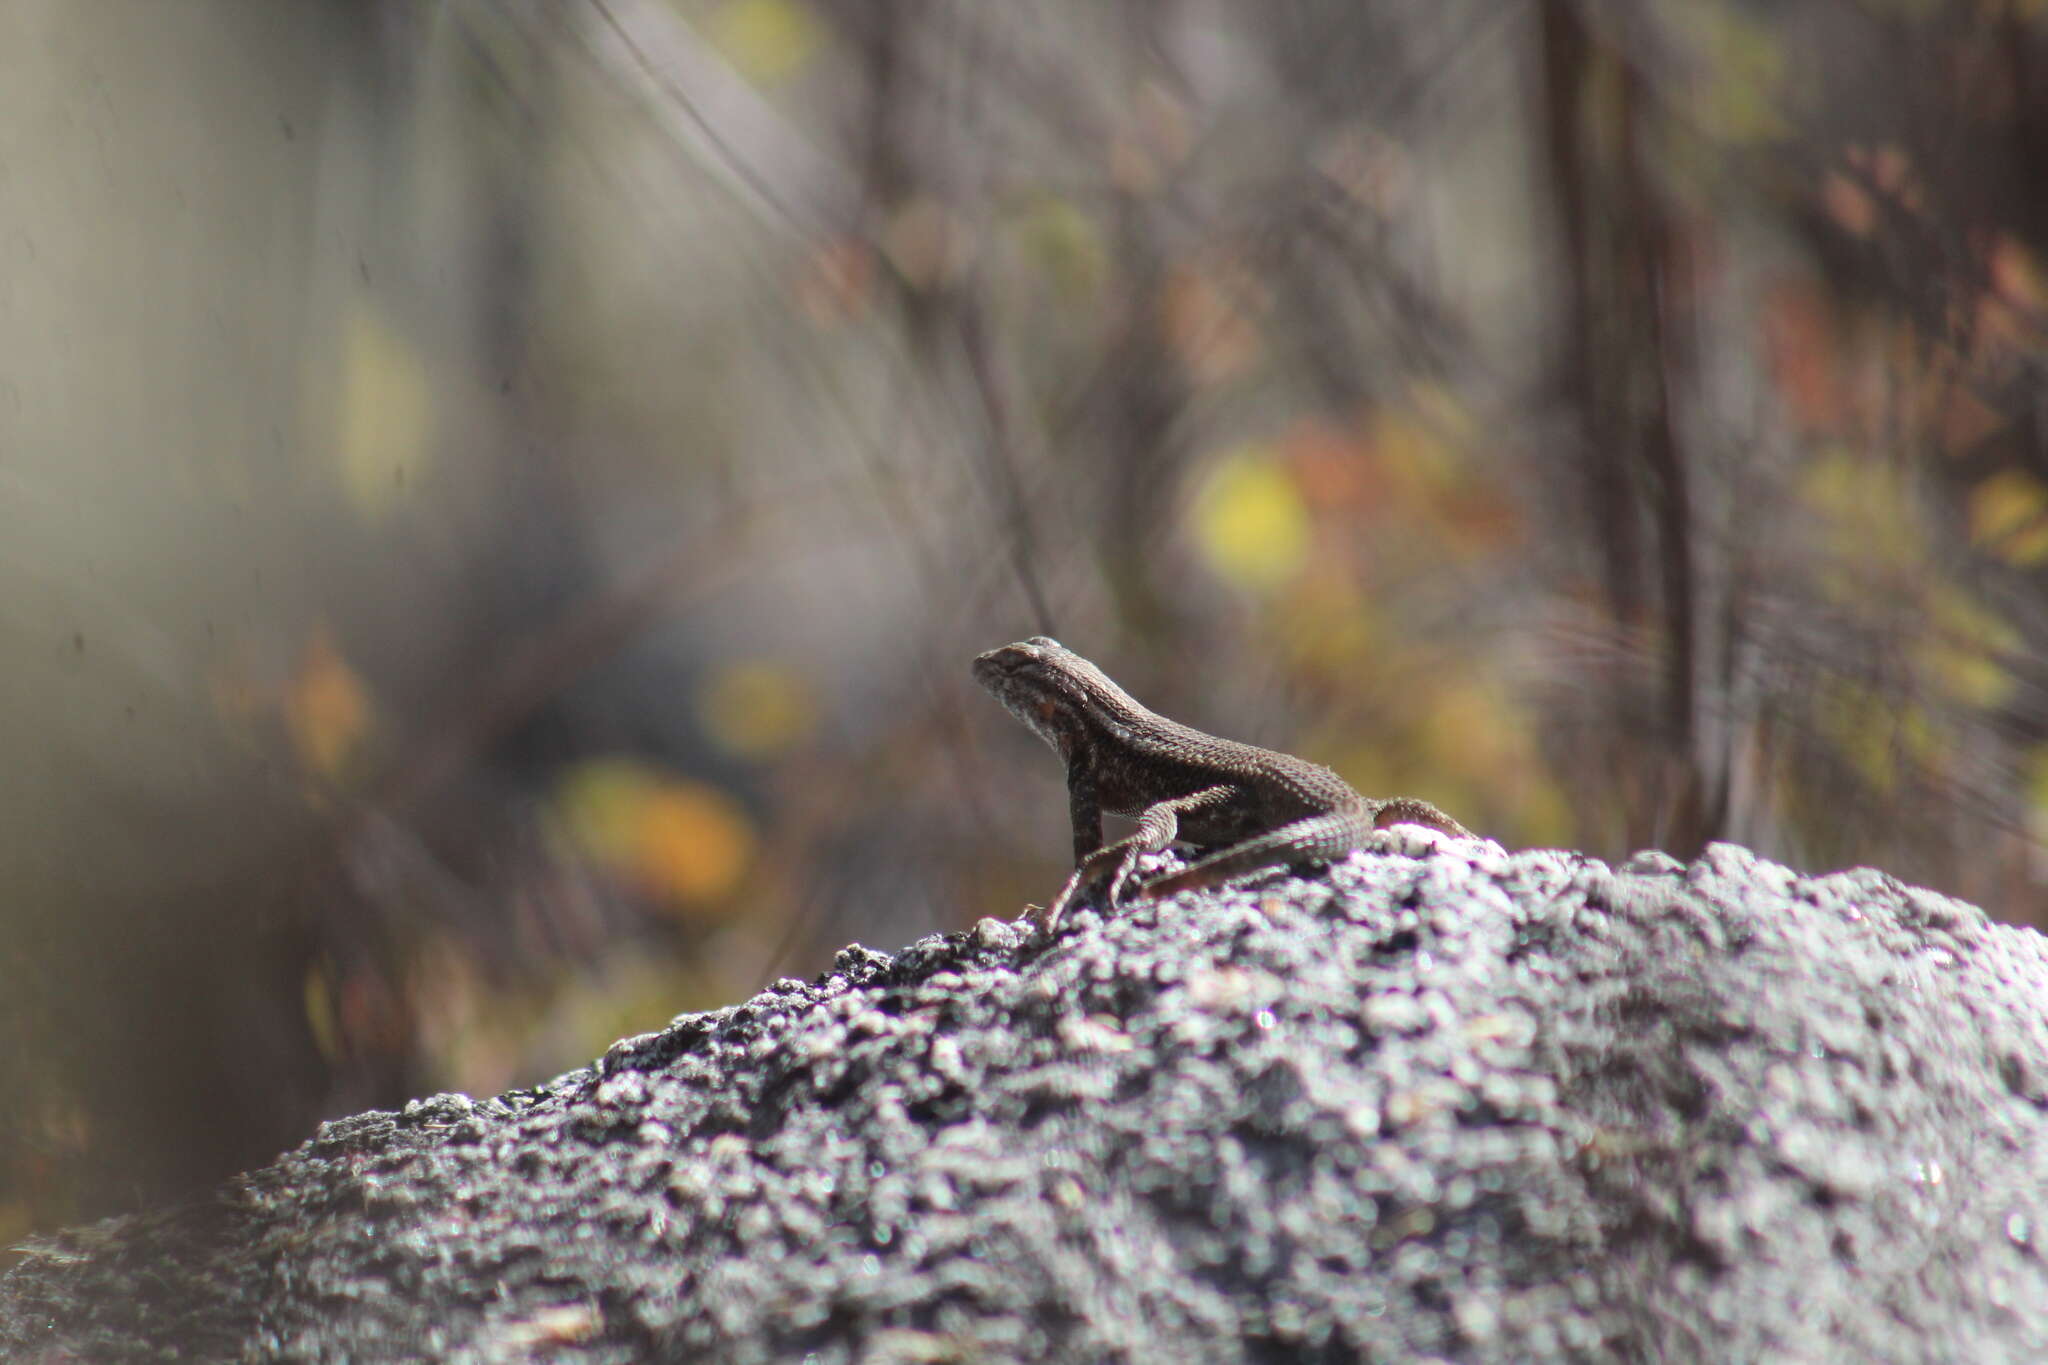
point(1015, 675)
point(1005, 662)
point(990, 671)
point(1000, 671)
point(1014, 656)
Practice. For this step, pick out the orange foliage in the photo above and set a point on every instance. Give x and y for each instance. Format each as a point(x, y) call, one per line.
point(1209, 317)
point(1799, 339)
point(685, 842)
point(326, 707)
point(837, 282)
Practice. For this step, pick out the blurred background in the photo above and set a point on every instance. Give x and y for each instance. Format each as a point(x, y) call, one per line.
point(497, 499)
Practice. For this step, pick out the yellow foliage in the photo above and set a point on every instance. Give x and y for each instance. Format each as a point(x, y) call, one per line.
point(1476, 736)
point(327, 709)
point(1328, 626)
point(1962, 654)
point(766, 40)
point(631, 992)
point(1420, 453)
point(385, 424)
point(1741, 71)
point(685, 842)
point(1869, 512)
point(757, 709)
point(2009, 517)
point(1445, 412)
point(16, 1220)
point(1417, 459)
point(321, 1018)
point(1063, 241)
point(1250, 521)
point(2036, 769)
point(1873, 732)
point(1475, 725)
point(599, 801)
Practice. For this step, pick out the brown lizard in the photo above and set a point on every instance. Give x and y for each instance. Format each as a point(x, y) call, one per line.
point(1255, 810)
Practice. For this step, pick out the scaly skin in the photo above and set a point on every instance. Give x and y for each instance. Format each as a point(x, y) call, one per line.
point(1255, 810)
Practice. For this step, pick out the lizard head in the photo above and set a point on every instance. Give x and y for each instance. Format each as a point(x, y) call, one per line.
point(1043, 684)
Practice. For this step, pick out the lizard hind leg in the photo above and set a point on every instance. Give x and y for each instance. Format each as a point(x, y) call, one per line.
point(1409, 810)
point(1316, 840)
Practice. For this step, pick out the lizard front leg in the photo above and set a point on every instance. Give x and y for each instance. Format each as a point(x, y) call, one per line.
point(1156, 829)
point(1084, 808)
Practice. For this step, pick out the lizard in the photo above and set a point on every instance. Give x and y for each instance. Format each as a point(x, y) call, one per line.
point(1253, 810)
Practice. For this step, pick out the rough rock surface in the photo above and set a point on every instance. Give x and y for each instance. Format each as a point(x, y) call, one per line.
point(1463, 1104)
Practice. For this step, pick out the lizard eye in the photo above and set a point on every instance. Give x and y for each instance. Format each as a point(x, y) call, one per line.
point(1047, 709)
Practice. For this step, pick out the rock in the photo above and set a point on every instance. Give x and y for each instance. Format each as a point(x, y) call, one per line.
point(1442, 1102)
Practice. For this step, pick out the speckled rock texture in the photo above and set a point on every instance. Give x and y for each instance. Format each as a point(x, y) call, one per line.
point(1437, 1102)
